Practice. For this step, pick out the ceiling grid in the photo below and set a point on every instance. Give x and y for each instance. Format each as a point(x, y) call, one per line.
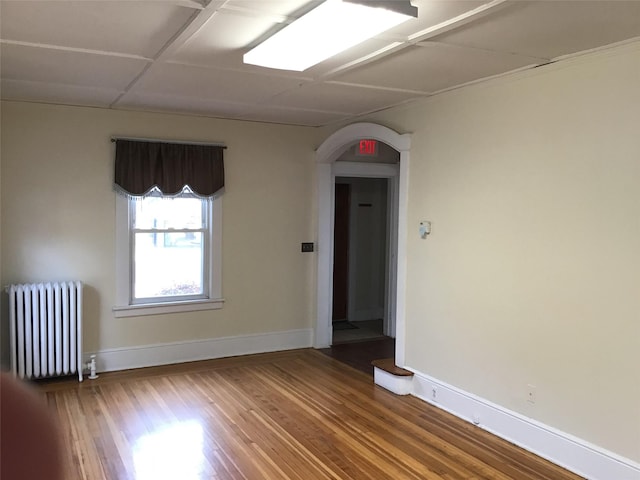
point(185, 56)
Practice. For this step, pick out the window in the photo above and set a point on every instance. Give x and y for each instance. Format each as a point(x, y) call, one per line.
point(168, 254)
point(169, 239)
point(168, 226)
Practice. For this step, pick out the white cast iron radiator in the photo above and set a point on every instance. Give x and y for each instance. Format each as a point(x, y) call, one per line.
point(45, 327)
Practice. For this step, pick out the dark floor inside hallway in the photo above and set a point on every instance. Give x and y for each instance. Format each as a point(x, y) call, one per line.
point(359, 355)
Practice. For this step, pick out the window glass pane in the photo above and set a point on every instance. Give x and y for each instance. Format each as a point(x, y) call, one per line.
point(168, 264)
point(155, 212)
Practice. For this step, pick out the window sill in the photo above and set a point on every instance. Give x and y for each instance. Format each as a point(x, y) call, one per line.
point(162, 308)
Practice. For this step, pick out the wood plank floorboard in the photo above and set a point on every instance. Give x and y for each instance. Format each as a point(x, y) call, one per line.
point(297, 415)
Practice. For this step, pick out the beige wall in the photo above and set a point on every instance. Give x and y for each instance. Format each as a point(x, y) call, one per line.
point(530, 276)
point(58, 211)
point(532, 272)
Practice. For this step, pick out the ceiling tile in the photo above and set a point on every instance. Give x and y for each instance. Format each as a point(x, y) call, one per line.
point(223, 109)
point(333, 97)
point(56, 93)
point(434, 12)
point(348, 56)
point(551, 29)
point(139, 28)
point(180, 104)
point(432, 67)
point(289, 116)
point(222, 41)
point(21, 62)
point(272, 7)
point(207, 83)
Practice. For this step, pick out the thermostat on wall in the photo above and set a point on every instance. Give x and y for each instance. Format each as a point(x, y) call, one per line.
point(425, 228)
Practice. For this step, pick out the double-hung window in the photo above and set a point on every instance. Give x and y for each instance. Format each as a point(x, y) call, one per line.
point(168, 251)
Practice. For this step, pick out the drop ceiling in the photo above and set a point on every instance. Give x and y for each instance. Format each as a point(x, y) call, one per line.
point(185, 56)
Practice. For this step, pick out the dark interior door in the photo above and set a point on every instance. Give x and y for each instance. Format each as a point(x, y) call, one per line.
point(341, 252)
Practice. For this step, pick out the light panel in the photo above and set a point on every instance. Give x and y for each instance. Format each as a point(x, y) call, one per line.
point(325, 31)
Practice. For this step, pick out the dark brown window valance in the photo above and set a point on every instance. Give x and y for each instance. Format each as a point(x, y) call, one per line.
point(143, 166)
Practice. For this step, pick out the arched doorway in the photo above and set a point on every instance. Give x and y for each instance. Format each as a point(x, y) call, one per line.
point(326, 157)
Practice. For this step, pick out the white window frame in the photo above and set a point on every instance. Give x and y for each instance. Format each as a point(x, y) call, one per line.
point(213, 259)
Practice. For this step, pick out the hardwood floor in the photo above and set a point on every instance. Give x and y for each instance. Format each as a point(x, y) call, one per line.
point(297, 415)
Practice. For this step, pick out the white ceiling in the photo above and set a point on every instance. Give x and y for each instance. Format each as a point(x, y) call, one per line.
point(185, 56)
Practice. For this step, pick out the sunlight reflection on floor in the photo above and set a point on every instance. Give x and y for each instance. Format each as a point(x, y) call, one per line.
point(173, 451)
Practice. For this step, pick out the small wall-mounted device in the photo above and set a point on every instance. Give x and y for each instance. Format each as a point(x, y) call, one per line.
point(425, 228)
point(307, 247)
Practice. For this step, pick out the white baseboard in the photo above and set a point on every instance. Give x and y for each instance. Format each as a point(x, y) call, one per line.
point(572, 453)
point(179, 352)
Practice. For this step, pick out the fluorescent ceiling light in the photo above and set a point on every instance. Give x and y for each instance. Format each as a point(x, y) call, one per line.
point(327, 30)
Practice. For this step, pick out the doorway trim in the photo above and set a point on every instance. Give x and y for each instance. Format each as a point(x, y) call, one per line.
point(326, 155)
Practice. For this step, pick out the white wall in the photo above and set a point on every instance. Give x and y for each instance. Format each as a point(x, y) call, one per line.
point(58, 210)
point(531, 274)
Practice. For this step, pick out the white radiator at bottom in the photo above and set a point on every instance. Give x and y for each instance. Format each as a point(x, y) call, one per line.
point(45, 328)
